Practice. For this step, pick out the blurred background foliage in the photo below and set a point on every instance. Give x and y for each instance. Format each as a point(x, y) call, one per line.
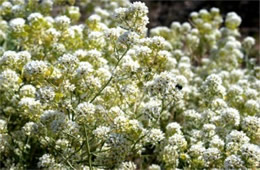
point(164, 12)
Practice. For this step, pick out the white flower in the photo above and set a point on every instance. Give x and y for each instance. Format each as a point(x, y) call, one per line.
point(218, 103)
point(197, 150)
point(209, 129)
point(251, 93)
point(30, 128)
point(102, 132)
point(216, 142)
point(160, 42)
point(30, 106)
point(143, 51)
point(237, 137)
point(175, 25)
point(93, 54)
point(154, 136)
point(59, 48)
point(3, 125)
point(102, 12)
point(170, 156)
point(163, 84)
point(210, 155)
point(67, 86)
point(192, 115)
point(185, 27)
point(251, 125)
point(28, 91)
point(24, 57)
point(68, 61)
point(213, 85)
point(251, 153)
point(17, 24)
point(6, 5)
point(173, 128)
point(94, 18)
point(171, 63)
point(53, 32)
point(9, 80)
point(152, 108)
point(154, 167)
point(129, 64)
point(9, 58)
point(114, 33)
point(138, 20)
point(249, 42)
point(72, 127)
point(34, 68)
point(203, 13)
point(107, 92)
point(128, 38)
point(33, 17)
point(118, 144)
point(235, 90)
point(127, 166)
point(53, 119)
point(178, 141)
point(47, 3)
point(252, 107)
point(86, 108)
point(140, 7)
point(76, 30)
point(80, 54)
point(46, 161)
point(115, 111)
point(233, 20)
point(120, 12)
point(83, 69)
point(62, 21)
point(121, 122)
point(234, 162)
point(230, 115)
point(61, 144)
point(46, 93)
point(103, 73)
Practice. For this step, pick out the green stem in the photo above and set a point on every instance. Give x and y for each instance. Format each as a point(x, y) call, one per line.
point(68, 162)
point(88, 150)
point(110, 79)
point(246, 58)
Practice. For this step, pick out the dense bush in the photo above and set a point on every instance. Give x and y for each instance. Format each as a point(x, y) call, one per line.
point(101, 94)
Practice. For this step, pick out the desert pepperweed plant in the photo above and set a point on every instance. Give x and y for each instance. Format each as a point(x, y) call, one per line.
point(102, 94)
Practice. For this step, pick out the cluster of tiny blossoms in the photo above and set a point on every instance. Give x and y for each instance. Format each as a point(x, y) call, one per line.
point(101, 94)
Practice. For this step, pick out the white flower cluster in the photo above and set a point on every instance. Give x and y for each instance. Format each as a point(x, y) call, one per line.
point(102, 94)
point(134, 17)
point(35, 69)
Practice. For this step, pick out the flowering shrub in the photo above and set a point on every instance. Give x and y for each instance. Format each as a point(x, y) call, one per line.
point(101, 94)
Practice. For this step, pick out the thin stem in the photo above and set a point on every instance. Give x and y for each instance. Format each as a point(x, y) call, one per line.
point(68, 162)
point(162, 105)
point(70, 135)
point(143, 136)
point(247, 59)
point(112, 76)
point(88, 149)
point(139, 104)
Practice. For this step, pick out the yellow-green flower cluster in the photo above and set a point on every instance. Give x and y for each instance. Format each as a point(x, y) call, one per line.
point(102, 94)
